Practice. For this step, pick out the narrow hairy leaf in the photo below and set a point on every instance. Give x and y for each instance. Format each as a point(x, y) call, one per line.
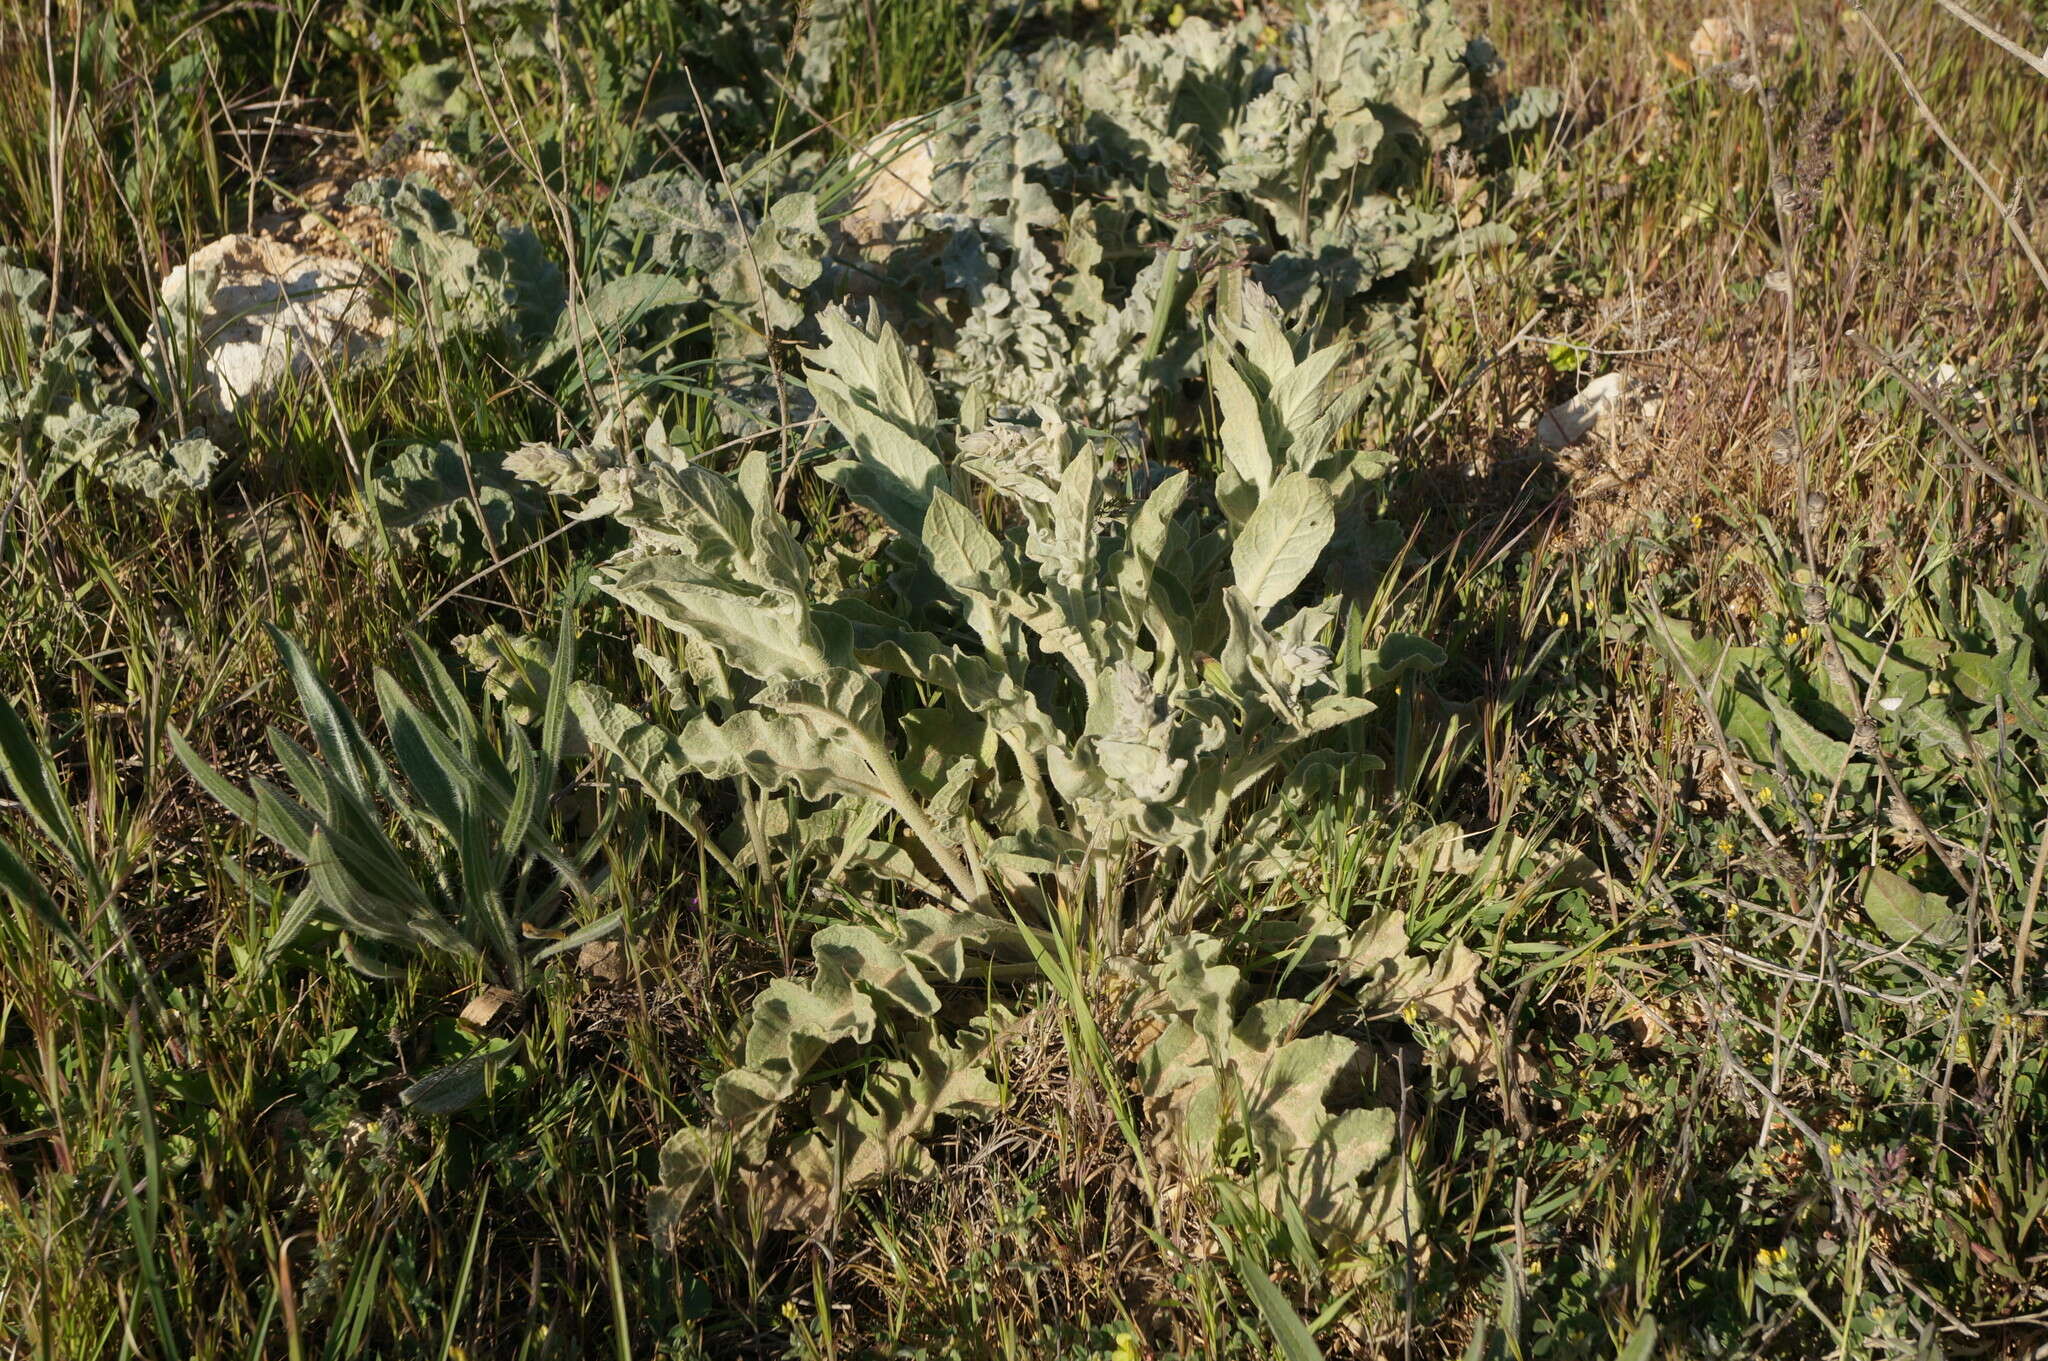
point(305, 905)
point(451, 706)
point(1289, 1331)
point(437, 782)
point(207, 778)
point(452, 1088)
point(335, 730)
point(577, 939)
point(554, 719)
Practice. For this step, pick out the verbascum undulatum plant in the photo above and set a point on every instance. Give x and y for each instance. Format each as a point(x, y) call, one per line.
point(1054, 703)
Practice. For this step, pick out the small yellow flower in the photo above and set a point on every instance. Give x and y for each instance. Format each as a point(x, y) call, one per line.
point(1905, 1073)
point(1816, 797)
point(1563, 620)
point(1725, 846)
point(1176, 17)
point(1834, 1148)
point(1766, 794)
point(1770, 1059)
point(1698, 522)
point(1978, 997)
point(1607, 1262)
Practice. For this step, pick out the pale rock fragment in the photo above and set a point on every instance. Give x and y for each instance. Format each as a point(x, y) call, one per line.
point(898, 163)
point(1719, 41)
point(485, 1006)
point(1715, 41)
point(601, 958)
point(246, 312)
point(1571, 422)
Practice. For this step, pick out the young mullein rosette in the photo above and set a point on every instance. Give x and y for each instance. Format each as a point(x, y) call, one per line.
point(1050, 707)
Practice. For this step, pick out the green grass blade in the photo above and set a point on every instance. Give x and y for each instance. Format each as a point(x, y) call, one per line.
point(1292, 1335)
point(145, 1213)
point(30, 773)
point(621, 1335)
point(353, 1313)
point(19, 882)
point(462, 1278)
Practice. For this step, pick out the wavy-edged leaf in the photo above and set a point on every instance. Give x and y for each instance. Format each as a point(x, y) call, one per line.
point(611, 309)
point(1906, 913)
point(1282, 541)
point(962, 551)
point(648, 753)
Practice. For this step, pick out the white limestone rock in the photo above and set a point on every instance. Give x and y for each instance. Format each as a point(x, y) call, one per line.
point(245, 312)
point(898, 162)
point(1597, 404)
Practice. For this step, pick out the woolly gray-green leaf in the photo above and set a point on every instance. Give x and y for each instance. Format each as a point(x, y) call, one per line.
point(964, 554)
point(1282, 541)
point(453, 1087)
point(611, 308)
point(1907, 914)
